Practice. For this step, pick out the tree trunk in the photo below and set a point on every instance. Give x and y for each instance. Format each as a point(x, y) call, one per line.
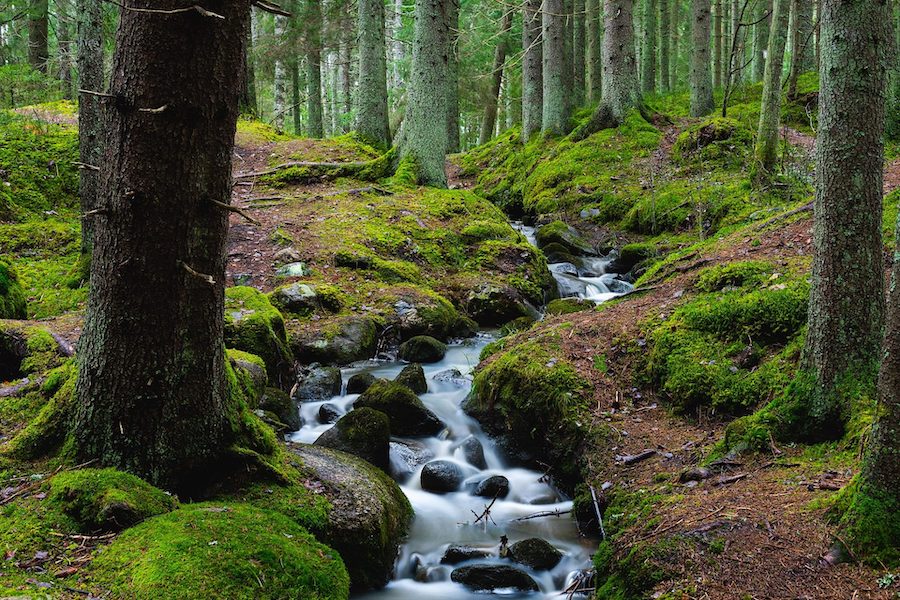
point(64, 44)
point(281, 73)
point(532, 69)
point(675, 43)
point(736, 43)
point(555, 120)
point(846, 306)
point(593, 23)
point(701, 77)
point(398, 50)
point(893, 103)
point(717, 40)
point(801, 42)
point(424, 128)
point(453, 144)
point(89, 59)
point(578, 53)
point(38, 51)
point(665, 26)
point(620, 85)
point(372, 122)
point(761, 37)
point(314, 69)
point(648, 56)
point(248, 82)
point(152, 397)
point(770, 109)
point(490, 109)
point(296, 99)
point(345, 57)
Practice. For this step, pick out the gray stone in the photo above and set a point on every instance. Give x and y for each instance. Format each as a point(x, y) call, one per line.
point(442, 476)
point(485, 578)
point(315, 383)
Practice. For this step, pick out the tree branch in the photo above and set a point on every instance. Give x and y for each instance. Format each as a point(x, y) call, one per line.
point(237, 210)
point(174, 11)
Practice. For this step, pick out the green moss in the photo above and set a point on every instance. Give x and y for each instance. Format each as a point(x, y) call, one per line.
point(397, 271)
point(47, 431)
point(12, 297)
point(523, 266)
point(220, 550)
point(869, 522)
point(714, 140)
point(107, 499)
point(480, 231)
point(565, 306)
point(251, 131)
point(736, 274)
point(253, 325)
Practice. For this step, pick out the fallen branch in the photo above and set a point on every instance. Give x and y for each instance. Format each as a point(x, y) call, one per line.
point(776, 219)
point(271, 8)
point(85, 166)
point(309, 165)
point(630, 459)
point(237, 210)
point(598, 512)
point(542, 514)
point(487, 512)
point(730, 479)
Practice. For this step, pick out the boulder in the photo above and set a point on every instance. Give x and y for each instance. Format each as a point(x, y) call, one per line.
point(407, 456)
point(451, 376)
point(495, 486)
point(337, 342)
point(279, 403)
point(422, 349)
point(536, 554)
point(299, 298)
point(493, 305)
point(253, 325)
point(564, 235)
point(329, 413)
point(419, 313)
point(557, 253)
point(457, 553)
point(442, 476)
point(359, 383)
point(413, 377)
point(473, 452)
point(294, 269)
point(409, 416)
point(362, 432)
point(315, 383)
point(486, 578)
point(368, 517)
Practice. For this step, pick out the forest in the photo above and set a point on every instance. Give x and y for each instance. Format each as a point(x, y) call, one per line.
point(450, 299)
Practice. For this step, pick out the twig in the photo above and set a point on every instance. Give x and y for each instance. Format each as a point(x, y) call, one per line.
point(544, 513)
point(487, 511)
point(96, 211)
point(598, 512)
point(202, 276)
point(174, 11)
point(95, 93)
point(237, 210)
point(271, 8)
point(155, 111)
point(86, 167)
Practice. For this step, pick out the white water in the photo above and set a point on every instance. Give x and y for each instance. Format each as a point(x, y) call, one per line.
point(444, 519)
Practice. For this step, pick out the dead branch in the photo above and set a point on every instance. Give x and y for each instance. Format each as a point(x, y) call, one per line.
point(271, 8)
point(725, 480)
point(598, 512)
point(630, 459)
point(95, 93)
point(155, 111)
point(86, 167)
point(237, 210)
point(487, 511)
point(174, 11)
point(202, 276)
point(542, 514)
point(311, 165)
point(776, 219)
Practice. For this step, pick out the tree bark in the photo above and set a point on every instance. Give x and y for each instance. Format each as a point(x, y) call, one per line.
point(490, 109)
point(424, 128)
point(593, 22)
point(620, 84)
point(296, 97)
point(372, 122)
point(578, 53)
point(281, 73)
point(846, 306)
point(761, 37)
point(665, 26)
point(735, 48)
point(801, 42)
point(555, 119)
point(38, 51)
point(248, 82)
point(316, 126)
point(453, 143)
point(717, 43)
point(89, 61)
point(770, 109)
point(648, 55)
point(568, 54)
point(152, 394)
point(532, 69)
point(701, 77)
point(892, 116)
point(64, 46)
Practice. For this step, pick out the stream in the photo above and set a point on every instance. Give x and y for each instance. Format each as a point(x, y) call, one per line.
point(442, 520)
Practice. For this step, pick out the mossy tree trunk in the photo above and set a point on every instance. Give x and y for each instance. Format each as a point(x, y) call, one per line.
point(314, 111)
point(453, 143)
point(701, 76)
point(620, 83)
point(579, 51)
point(717, 43)
point(151, 393)
point(594, 23)
point(89, 61)
point(371, 97)
point(555, 120)
point(763, 20)
point(532, 69)
point(64, 47)
point(665, 36)
point(648, 54)
point(801, 42)
point(847, 298)
point(424, 128)
point(568, 54)
point(490, 108)
point(770, 109)
point(38, 29)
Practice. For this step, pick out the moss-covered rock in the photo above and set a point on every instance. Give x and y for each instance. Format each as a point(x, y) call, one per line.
point(493, 305)
point(564, 235)
point(27, 350)
point(359, 383)
point(422, 349)
point(338, 342)
point(108, 499)
point(536, 554)
point(363, 432)
point(220, 551)
point(716, 139)
point(251, 373)
point(734, 274)
point(630, 256)
point(253, 325)
point(409, 416)
point(413, 377)
point(565, 306)
point(869, 521)
point(12, 296)
point(304, 298)
point(279, 403)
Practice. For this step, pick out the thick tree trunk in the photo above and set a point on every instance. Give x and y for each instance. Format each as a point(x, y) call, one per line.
point(296, 96)
point(847, 298)
point(314, 111)
point(770, 109)
point(665, 26)
point(578, 53)
point(893, 103)
point(620, 84)
point(89, 59)
point(701, 77)
point(398, 50)
point(424, 128)
point(281, 74)
point(718, 19)
point(490, 108)
point(648, 56)
point(763, 20)
point(594, 22)
point(532, 69)
point(802, 59)
point(453, 143)
point(248, 82)
point(152, 394)
point(38, 51)
point(555, 119)
point(372, 122)
point(64, 47)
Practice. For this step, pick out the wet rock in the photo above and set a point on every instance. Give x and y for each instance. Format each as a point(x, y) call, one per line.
point(495, 486)
point(566, 236)
point(413, 377)
point(315, 383)
point(303, 299)
point(442, 476)
point(630, 256)
point(253, 325)
point(429, 314)
point(451, 376)
point(329, 413)
point(422, 349)
point(473, 452)
point(359, 383)
point(409, 416)
point(485, 578)
point(457, 553)
point(407, 456)
point(492, 305)
point(344, 341)
point(589, 213)
point(557, 253)
point(279, 403)
point(564, 268)
point(362, 432)
point(536, 554)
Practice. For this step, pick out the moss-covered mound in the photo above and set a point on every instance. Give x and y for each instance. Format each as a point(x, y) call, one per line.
point(220, 551)
point(408, 415)
point(363, 432)
point(715, 139)
point(108, 499)
point(12, 297)
point(253, 325)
